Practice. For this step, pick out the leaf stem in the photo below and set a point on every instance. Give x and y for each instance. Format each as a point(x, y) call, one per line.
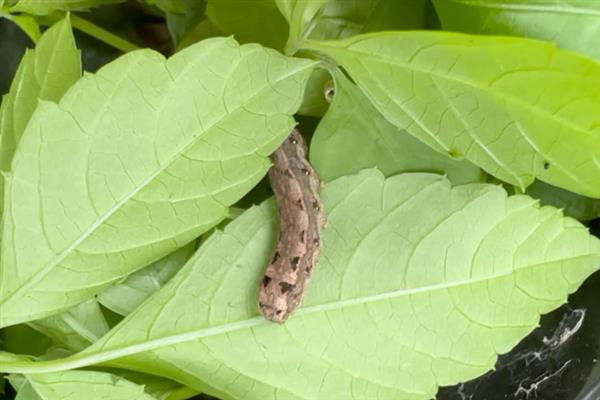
point(102, 34)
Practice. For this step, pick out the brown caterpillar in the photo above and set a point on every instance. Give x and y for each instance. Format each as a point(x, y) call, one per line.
point(301, 218)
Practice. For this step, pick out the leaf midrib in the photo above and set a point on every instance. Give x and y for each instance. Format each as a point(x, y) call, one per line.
point(88, 232)
point(509, 97)
point(488, 89)
point(82, 359)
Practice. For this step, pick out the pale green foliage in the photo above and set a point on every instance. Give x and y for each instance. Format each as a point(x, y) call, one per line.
point(572, 24)
point(341, 18)
point(126, 296)
point(44, 7)
point(431, 282)
point(299, 14)
point(76, 328)
point(136, 161)
point(369, 140)
point(77, 385)
point(44, 73)
point(518, 108)
point(420, 284)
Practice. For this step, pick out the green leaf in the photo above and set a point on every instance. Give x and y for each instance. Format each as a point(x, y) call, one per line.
point(518, 108)
point(299, 14)
point(76, 328)
point(341, 18)
point(369, 140)
point(314, 102)
point(579, 207)
point(249, 21)
point(160, 388)
point(182, 23)
point(174, 6)
point(396, 15)
point(92, 385)
point(22, 339)
point(125, 297)
point(203, 30)
point(573, 25)
point(27, 392)
point(45, 7)
point(136, 161)
point(44, 73)
point(27, 23)
point(419, 285)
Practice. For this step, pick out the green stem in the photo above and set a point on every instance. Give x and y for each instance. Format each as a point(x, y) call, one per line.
point(102, 34)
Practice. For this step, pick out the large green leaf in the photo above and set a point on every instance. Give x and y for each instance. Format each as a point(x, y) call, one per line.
point(353, 135)
point(45, 7)
point(126, 296)
point(520, 109)
point(573, 25)
point(419, 285)
point(77, 385)
point(44, 73)
point(136, 161)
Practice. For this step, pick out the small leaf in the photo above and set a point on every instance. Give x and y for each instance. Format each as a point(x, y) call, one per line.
point(341, 18)
point(28, 24)
point(76, 328)
point(136, 161)
point(299, 15)
point(174, 6)
point(27, 392)
point(182, 23)
point(44, 73)
point(574, 205)
point(249, 21)
point(160, 388)
point(89, 385)
point(369, 140)
point(518, 108)
point(572, 25)
point(125, 297)
point(45, 7)
point(419, 285)
point(22, 339)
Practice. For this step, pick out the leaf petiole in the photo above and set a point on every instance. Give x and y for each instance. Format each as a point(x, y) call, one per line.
point(102, 34)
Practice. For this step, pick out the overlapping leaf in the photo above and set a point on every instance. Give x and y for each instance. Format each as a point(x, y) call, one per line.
point(419, 285)
point(126, 296)
point(136, 161)
point(579, 207)
point(249, 21)
point(518, 108)
point(75, 328)
point(573, 24)
point(353, 135)
point(77, 385)
point(44, 73)
point(45, 7)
